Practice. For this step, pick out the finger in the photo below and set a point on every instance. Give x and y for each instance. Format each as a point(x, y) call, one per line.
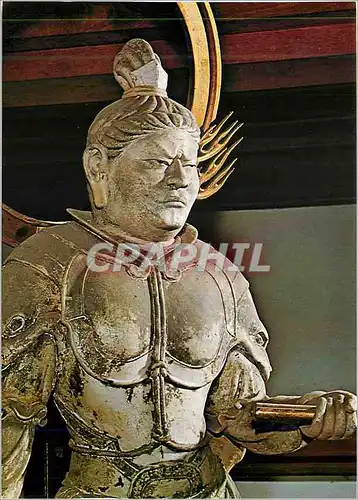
point(329, 419)
point(350, 399)
point(315, 428)
point(351, 425)
point(350, 403)
point(340, 421)
point(334, 393)
point(309, 397)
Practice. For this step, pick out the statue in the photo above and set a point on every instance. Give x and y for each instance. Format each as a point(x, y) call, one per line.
point(154, 356)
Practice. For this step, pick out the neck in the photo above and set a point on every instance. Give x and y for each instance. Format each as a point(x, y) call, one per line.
point(141, 236)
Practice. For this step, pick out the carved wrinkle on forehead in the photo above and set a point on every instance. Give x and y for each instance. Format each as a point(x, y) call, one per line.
point(161, 146)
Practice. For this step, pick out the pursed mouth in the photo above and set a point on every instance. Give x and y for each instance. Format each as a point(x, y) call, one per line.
point(174, 202)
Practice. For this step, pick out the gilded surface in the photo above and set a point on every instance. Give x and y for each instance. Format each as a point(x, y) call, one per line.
point(153, 364)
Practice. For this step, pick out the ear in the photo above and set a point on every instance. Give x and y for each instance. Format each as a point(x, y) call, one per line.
point(95, 163)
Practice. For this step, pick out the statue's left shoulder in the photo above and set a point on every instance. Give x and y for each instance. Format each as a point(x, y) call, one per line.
point(216, 263)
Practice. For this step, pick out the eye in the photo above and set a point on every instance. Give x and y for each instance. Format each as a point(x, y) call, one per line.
point(160, 163)
point(190, 165)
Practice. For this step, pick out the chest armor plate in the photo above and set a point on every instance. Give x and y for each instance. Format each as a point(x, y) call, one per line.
point(121, 326)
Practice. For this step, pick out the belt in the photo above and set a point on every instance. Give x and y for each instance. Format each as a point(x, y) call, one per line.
point(183, 478)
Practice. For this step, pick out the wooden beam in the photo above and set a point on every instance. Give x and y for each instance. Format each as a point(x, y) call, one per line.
point(224, 11)
point(101, 88)
point(99, 20)
point(43, 28)
point(254, 25)
point(120, 32)
point(76, 61)
point(237, 78)
point(60, 91)
point(11, 45)
point(289, 74)
point(295, 43)
point(241, 10)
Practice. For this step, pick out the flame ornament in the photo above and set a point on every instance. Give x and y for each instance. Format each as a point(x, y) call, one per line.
point(214, 146)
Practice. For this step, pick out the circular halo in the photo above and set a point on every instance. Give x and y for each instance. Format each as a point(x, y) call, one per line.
point(207, 73)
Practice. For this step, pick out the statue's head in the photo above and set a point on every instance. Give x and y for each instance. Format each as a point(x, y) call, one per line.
point(141, 154)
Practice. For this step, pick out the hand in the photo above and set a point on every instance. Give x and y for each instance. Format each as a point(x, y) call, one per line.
point(236, 424)
point(335, 418)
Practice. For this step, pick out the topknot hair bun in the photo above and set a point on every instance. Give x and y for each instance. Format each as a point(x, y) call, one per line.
point(137, 65)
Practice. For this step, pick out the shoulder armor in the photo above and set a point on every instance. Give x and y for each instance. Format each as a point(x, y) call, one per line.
point(218, 262)
point(30, 308)
point(32, 279)
point(50, 250)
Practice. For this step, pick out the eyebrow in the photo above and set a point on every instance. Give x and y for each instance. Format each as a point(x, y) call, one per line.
point(185, 155)
point(157, 150)
point(160, 150)
point(185, 158)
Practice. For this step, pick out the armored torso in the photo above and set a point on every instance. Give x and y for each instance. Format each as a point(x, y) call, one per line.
point(139, 347)
point(138, 344)
point(137, 352)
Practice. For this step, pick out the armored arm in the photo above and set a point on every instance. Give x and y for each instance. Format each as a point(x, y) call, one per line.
point(243, 380)
point(29, 311)
point(231, 411)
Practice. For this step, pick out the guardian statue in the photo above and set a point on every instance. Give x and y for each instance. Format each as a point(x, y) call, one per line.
point(155, 355)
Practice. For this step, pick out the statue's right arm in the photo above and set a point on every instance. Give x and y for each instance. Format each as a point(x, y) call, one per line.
point(30, 311)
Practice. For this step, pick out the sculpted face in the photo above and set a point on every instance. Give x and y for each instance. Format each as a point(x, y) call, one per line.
point(152, 185)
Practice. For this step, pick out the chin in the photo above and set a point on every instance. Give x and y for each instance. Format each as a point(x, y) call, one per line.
point(172, 221)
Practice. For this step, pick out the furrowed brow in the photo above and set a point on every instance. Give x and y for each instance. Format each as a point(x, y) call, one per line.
point(160, 151)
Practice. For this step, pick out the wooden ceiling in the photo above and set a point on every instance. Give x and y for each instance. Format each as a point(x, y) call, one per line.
point(56, 53)
point(288, 73)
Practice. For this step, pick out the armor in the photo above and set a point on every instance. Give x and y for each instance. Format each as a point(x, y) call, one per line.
point(124, 352)
point(149, 356)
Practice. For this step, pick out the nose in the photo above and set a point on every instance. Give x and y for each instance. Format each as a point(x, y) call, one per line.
point(177, 175)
